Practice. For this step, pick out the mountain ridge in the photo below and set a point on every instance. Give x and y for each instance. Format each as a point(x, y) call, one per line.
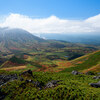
point(17, 39)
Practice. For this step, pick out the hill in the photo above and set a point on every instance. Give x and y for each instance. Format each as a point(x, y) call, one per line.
point(44, 83)
point(89, 62)
point(17, 40)
point(49, 85)
point(12, 62)
point(55, 62)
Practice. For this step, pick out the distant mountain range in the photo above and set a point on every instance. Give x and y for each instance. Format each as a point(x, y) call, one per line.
point(93, 38)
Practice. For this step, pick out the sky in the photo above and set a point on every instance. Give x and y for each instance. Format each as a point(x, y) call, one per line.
point(51, 16)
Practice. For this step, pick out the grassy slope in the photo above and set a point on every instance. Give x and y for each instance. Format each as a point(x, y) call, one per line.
point(12, 62)
point(70, 88)
point(86, 62)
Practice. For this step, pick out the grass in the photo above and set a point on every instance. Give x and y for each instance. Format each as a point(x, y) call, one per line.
point(84, 63)
point(17, 60)
point(70, 88)
point(95, 68)
point(13, 68)
point(92, 60)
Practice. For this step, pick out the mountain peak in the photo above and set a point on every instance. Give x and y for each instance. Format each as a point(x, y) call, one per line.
point(18, 39)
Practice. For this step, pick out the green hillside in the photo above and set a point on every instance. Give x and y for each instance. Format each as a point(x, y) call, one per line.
point(70, 87)
point(14, 59)
point(89, 61)
point(12, 62)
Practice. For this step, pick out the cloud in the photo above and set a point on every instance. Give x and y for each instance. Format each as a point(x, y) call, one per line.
point(52, 24)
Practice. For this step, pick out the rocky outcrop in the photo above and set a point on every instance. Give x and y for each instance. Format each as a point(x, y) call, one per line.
point(5, 78)
point(2, 95)
point(41, 85)
point(52, 83)
point(36, 84)
point(90, 73)
point(74, 72)
point(96, 77)
point(96, 85)
point(28, 72)
point(98, 73)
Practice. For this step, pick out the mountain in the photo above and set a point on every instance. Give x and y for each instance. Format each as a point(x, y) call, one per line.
point(21, 43)
point(17, 35)
point(17, 39)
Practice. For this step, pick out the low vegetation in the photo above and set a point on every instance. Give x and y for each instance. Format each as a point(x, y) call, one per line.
point(71, 87)
point(92, 60)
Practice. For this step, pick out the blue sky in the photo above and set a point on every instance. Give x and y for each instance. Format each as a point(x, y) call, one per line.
point(71, 9)
point(51, 16)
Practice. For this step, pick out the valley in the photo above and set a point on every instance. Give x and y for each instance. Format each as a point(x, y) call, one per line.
point(39, 68)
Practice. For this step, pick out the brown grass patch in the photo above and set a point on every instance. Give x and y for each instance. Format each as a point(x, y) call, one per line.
point(94, 68)
point(13, 68)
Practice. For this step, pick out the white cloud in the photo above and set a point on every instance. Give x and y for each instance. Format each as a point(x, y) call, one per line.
point(52, 24)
